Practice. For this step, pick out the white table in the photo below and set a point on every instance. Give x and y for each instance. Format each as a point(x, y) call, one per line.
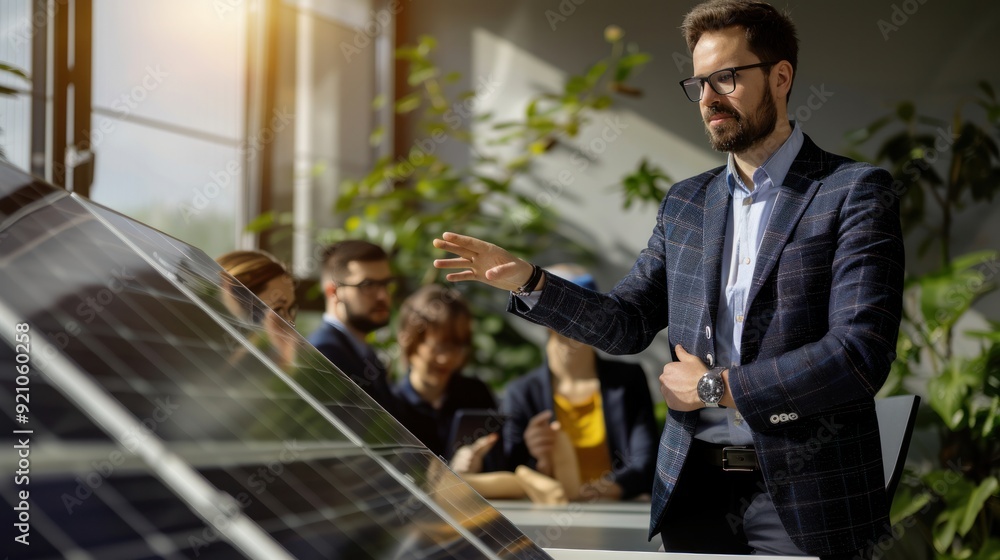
point(598, 531)
point(589, 526)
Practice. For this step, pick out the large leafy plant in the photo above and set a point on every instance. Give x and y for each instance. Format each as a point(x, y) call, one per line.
point(408, 198)
point(940, 167)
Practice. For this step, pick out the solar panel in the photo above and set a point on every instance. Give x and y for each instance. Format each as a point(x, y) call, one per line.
point(159, 410)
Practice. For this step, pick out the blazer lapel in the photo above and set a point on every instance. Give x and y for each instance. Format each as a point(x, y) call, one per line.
point(717, 202)
point(793, 199)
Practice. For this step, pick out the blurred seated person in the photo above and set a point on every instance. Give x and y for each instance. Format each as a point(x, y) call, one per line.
point(601, 409)
point(267, 278)
point(435, 339)
point(357, 285)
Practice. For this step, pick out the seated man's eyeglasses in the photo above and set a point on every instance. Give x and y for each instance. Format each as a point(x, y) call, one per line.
point(369, 286)
point(723, 81)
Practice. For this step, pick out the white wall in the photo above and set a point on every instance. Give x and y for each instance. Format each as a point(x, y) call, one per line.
point(934, 56)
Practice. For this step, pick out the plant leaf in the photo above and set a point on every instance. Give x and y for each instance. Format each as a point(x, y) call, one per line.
point(976, 500)
point(4, 67)
point(409, 103)
point(262, 222)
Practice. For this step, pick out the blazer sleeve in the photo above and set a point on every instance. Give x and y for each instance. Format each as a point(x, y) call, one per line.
point(850, 362)
point(624, 321)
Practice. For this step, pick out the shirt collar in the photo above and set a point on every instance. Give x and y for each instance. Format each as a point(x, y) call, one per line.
point(774, 170)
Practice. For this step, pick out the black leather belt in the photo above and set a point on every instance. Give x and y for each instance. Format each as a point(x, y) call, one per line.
point(741, 458)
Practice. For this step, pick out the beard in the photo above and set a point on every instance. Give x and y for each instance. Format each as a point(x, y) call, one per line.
point(745, 130)
point(364, 322)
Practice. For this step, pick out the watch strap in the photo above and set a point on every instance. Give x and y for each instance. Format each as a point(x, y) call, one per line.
point(529, 286)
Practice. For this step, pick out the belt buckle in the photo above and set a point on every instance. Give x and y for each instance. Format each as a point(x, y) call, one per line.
point(743, 455)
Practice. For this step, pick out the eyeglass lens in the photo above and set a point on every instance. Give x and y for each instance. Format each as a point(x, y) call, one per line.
point(723, 83)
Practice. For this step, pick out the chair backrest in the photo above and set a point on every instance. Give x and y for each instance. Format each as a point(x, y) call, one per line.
point(896, 416)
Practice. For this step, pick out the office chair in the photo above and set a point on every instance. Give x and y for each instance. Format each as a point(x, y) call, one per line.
point(896, 416)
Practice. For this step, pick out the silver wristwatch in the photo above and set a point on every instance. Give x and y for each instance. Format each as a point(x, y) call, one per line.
point(711, 387)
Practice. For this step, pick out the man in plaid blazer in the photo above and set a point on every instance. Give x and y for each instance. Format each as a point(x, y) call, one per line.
point(779, 279)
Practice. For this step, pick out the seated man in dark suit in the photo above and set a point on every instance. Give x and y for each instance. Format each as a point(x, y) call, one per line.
point(357, 283)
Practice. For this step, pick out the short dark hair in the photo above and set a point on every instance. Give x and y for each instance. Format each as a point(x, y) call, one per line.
point(770, 34)
point(337, 256)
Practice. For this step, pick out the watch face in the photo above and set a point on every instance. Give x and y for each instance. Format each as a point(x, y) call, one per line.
point(711, 387)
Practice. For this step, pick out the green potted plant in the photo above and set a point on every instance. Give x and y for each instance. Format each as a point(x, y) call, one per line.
point(940, 167)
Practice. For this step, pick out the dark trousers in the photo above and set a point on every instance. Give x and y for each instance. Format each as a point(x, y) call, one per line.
point(705, 514)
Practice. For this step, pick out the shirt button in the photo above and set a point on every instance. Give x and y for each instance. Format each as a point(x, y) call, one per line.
point(708, 332)
point(746, 260)
point(710, 359)
point(739, 318)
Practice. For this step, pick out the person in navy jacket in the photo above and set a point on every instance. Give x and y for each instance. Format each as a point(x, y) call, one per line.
point(357, 284)
point(603, 407)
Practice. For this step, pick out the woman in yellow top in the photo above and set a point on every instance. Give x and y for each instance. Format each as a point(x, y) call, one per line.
point(600, 409)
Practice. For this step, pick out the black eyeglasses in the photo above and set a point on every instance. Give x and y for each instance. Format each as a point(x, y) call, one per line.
point(369, 287)
point(722, 81)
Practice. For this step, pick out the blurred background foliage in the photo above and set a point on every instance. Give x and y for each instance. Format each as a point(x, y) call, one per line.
point(408, 199)
point(941, 167)
point(4, 90)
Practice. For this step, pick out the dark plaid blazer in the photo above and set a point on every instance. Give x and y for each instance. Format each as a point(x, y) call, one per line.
point(820, 334)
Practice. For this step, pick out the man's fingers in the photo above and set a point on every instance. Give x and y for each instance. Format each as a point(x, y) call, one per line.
point(459, 250)
point(462, 245)
point(463, 276)
point(685, 356)
point(454, 262)
point(463, 240)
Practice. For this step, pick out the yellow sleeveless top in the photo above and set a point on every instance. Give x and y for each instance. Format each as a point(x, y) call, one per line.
point(584, 424)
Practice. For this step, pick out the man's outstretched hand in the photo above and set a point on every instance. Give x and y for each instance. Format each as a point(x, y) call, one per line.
point(483, 262)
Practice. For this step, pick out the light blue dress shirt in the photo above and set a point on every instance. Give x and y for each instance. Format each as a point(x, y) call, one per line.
point(748, 216)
